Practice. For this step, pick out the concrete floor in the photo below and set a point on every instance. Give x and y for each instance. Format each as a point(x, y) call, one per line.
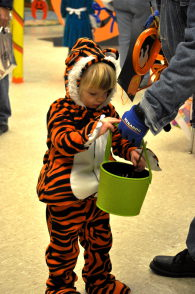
point(161, 227)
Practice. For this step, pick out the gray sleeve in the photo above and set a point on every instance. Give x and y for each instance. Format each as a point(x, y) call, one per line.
point(177, 83)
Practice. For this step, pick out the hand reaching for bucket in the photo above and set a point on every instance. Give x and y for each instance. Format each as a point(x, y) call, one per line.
point(108, 124)
point(137, 160)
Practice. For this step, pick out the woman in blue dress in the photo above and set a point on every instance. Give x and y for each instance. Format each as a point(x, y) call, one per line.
point(78, 20)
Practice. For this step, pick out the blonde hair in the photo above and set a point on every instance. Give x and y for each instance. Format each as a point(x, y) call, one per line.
point(99, 76)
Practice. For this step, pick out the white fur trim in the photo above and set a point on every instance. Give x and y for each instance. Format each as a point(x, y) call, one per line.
point(74, 75)
point(94, 135)
point(114, 61)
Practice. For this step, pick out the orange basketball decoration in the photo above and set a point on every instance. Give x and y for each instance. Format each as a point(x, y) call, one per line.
point(149, 39)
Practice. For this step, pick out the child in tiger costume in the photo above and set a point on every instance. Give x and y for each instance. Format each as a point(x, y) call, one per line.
point(68, 181)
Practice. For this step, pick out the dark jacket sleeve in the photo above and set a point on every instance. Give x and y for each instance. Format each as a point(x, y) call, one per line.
point(6, 3)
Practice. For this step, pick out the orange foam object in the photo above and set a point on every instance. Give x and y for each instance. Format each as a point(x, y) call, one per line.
point(103, 33)
point(154, 51)
point(39, 5)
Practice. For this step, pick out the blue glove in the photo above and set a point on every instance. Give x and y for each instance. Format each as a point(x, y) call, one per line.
point(132, 127)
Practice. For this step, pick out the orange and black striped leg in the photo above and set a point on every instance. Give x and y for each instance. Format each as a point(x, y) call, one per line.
point(62, 252)
point(96, 238)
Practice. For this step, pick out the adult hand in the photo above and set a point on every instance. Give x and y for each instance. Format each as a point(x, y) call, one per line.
point(132, 127)
point(4, 16)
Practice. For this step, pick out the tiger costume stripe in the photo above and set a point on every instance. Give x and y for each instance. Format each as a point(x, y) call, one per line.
point(68, 181)
point(83, 221)
point(67, 133)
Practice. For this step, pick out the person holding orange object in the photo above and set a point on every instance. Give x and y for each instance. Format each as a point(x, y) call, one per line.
point(160, 106)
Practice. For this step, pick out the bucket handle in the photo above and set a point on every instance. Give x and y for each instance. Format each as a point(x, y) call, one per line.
point(147, 160)
point(108, 147)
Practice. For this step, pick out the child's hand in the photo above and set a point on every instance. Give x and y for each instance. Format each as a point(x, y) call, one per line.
point(107, 124)
point(139, 166)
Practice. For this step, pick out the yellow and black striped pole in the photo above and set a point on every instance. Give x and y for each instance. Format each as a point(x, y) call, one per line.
point(18, 39)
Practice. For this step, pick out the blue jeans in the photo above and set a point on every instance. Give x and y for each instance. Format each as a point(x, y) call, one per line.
point(5, 108)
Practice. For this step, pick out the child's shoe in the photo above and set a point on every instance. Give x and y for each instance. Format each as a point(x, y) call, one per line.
point(62, 291)
point(114, 287)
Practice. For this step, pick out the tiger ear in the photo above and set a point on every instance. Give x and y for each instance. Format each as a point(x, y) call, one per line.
point(111, 52)
point(71, 57)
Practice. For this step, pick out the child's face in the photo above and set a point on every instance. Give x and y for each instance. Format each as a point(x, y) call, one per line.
point(92, 97)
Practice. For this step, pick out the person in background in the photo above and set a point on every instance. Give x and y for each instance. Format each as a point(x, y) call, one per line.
point(131, 18)
point(79, 20)
point(160, 105)
point(5, 108)
point(69, 178)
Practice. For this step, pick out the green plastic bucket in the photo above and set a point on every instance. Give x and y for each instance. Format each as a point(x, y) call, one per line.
point(119, 193)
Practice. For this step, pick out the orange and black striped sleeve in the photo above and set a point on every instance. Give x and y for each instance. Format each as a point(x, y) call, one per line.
point(64, 135)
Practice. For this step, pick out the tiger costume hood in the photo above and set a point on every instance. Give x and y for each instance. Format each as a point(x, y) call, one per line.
point(84, 53)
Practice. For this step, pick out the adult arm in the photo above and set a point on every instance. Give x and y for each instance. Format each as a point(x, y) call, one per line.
point(162, 100)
